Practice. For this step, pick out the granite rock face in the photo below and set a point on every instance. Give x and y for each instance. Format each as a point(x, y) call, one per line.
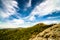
point(52, 33)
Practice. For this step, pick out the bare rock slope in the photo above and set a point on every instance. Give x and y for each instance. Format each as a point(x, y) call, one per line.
point(52, 33)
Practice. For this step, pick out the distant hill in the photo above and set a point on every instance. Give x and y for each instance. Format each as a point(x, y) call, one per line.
point(52, 33)
point(23, 33)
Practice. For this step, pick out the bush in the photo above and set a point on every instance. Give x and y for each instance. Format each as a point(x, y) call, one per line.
point(22, 33)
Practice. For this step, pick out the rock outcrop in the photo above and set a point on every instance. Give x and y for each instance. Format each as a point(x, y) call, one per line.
point(52, 33)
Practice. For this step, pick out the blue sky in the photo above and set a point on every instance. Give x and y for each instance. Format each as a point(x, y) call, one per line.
point(26, 13)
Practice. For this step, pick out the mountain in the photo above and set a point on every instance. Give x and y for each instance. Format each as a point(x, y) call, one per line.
point(52, 33)
point(23, 33)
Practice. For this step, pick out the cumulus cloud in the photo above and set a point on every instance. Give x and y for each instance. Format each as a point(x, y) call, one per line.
point(8, 8)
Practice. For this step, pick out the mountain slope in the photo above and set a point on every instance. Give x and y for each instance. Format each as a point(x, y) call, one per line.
point(22, 33)
point(52, 33)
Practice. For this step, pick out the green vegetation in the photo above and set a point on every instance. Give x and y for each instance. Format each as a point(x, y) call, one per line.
point(22, 33)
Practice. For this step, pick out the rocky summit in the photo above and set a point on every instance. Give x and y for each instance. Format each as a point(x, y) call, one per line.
point(51, 33)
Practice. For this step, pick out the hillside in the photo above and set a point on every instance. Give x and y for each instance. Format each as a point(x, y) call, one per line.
point(23, 33)
point(52, 33)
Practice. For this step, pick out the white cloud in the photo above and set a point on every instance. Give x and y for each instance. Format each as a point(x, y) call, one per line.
point(7, 25)
point(46, 7)
point(29, 3)
point(8, 8)
point(53, 17)
point(18, 21)
point(49, 21)
point(13, 24)
point(32, 18)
